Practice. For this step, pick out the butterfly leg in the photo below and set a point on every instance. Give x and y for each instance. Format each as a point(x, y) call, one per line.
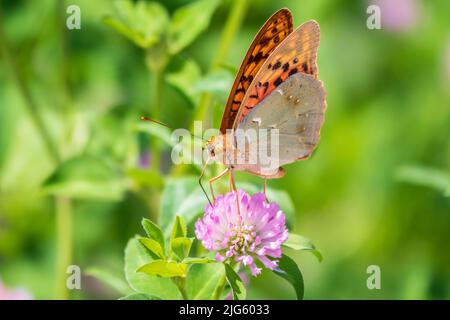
point(265, 189)
point(220, 175)
point(233, 186)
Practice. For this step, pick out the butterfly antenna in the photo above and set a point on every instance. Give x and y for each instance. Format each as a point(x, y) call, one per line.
point(167, 126)
point(154, 121)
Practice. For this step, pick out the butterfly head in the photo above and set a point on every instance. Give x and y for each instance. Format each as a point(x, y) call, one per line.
point(215, 148)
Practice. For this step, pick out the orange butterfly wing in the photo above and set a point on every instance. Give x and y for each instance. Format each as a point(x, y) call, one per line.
point(273, 32)
point(297, 53)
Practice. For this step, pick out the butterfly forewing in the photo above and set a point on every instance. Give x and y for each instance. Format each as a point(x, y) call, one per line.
point(296, 54)
point(274, 31)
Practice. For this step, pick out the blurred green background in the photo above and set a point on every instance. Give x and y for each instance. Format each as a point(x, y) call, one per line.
point(76, 172)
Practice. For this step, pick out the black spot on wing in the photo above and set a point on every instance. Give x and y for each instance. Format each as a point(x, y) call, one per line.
point(259, 56)
point(264, 42)
point(278, 81)
point(305, 66)
point(293, 71)
point(276, 65)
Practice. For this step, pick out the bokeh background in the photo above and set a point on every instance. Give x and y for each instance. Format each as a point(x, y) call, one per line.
point(78, 173)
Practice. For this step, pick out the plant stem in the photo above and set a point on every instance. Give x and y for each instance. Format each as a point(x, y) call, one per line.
point(64, 67)
point(219, 288)
point(64, 241)
point(26, 94)
point(63, 205)
point(158, 85)
point(64, 212)
point(156, 60)
point(180, 282)
point(67, 109)
point(232, 25)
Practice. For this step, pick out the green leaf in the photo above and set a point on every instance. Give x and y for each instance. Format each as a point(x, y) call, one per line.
point(203, 279)
point(179, 228)
point(182, 197)
point(142, 22)
point(436, 179)
point(184, 79)
point(181, 247)
point(218, 83)
point(191, 260)
point(164, 268)
point(235, 282)
point(188, 22)
point(86, 177)
point(298, 242)
point(145, 178)
point(288, 270)
point(157, 130)
point(136, 255)
point(110, 279)
point(139, 296)
point(154, 232)
point(153, 246)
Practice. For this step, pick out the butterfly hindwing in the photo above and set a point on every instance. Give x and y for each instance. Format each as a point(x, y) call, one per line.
point(273, 32)
point(296, 110)
point(296, 54)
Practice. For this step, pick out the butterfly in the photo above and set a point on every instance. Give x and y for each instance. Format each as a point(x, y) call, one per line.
point(275, 90)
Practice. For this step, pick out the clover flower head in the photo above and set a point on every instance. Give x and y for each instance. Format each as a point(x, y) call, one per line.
point(399, 15)
point(255, 232)
point(14, 293)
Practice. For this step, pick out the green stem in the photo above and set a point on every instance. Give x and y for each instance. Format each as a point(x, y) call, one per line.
point(223, 281)
point(64, 67)
point(158, 86)
point(156, 59)
point(219, 288)
point(232, 25)
point(67, 109)
point(64, 210)
point(64, 242)
point(26, 94)
point(180, 282)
